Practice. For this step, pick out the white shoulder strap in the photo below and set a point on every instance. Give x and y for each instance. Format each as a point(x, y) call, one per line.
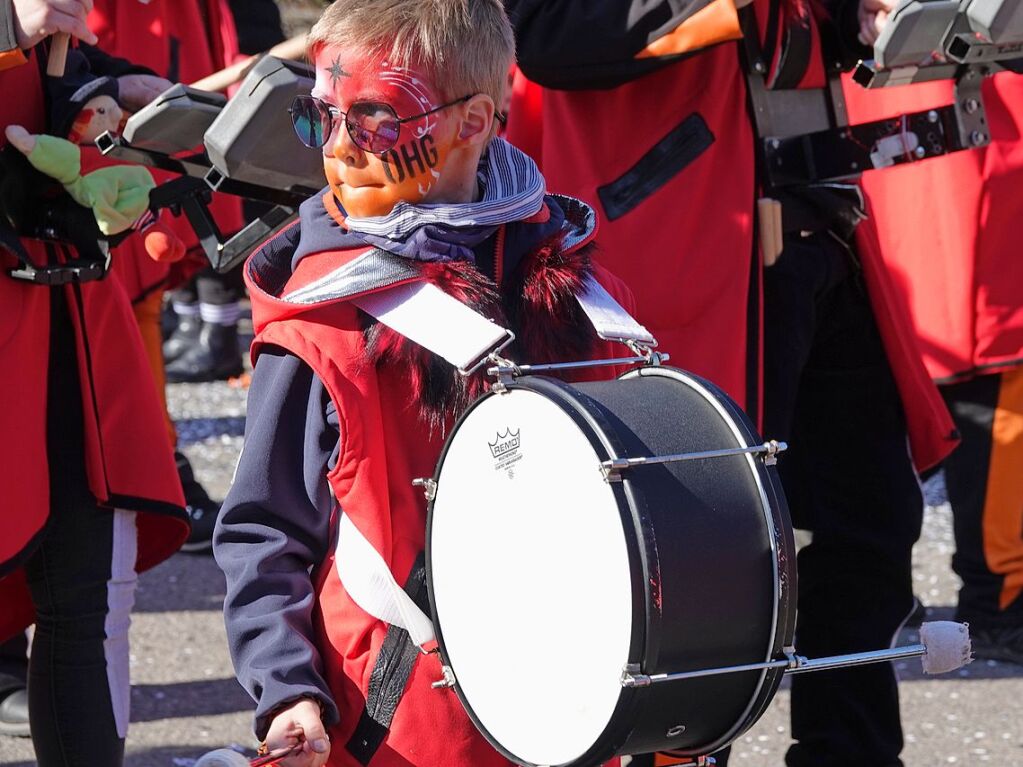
point(424, 313)
point(371, 585)
point(609, 318)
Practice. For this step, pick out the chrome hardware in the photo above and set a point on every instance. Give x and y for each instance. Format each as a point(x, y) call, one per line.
point(447, 679)
point(613, 469)
point(504, 370)
point(792, 664)
point(632, 676)
point(773, 447)
point(646, 351)
point(674, 732)
point(795, 661)
point(492, 355)
point(429, 487)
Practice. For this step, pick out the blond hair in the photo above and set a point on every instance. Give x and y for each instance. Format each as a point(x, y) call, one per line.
point(466, 46)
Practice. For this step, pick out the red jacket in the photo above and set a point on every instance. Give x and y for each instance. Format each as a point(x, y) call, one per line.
point(948, 231)
point(129, 462)
point(669, 158)
point(384, 444)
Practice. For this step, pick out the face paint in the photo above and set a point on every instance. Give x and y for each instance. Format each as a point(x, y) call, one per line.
point(369, 184)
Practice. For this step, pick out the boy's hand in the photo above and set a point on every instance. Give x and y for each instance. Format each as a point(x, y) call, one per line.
point(38, 19)
point(300, 723)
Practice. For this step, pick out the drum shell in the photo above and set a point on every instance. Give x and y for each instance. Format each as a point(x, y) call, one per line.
point(728, 598)
point(722, 594)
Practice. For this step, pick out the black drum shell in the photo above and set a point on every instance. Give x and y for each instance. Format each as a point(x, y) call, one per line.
point(711, 549)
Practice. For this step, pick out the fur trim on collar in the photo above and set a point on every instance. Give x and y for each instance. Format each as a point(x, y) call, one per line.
point(537, 302)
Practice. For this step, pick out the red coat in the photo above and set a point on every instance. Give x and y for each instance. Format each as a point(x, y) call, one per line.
point(384, 445)
point(183, 40)
point(948, 230)
point(128, 458)
point(686, 248)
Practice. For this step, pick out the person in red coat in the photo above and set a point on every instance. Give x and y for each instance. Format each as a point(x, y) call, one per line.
point(92, 495)
point(345, 410)
point(948, 230)
point(645, 113)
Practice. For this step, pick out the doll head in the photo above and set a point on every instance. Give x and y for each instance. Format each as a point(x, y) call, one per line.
point(99, 115)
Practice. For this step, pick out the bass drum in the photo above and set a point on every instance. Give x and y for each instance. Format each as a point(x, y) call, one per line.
point(548, 580)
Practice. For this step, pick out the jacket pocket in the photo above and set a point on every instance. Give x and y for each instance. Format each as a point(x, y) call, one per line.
point(666, 158)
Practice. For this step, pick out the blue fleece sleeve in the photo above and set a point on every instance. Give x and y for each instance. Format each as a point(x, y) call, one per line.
point(272, 533)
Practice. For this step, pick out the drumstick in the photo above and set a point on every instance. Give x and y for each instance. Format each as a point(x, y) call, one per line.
point(290, 49)
point(57, 62)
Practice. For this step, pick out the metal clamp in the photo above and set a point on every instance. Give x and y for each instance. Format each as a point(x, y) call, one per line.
point(447, 679)
point(72, 272)
point(429, 487)
point(632, 676)
point(492, 355)
point(646, 351)
point(504, 370)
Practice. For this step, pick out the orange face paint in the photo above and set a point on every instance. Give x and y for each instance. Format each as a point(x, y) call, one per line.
point(369, 184)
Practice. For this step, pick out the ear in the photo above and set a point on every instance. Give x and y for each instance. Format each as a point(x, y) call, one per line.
point(477, 119)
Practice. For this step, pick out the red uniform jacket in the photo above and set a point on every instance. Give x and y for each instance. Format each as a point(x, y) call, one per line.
point(668, 157)
point(129, 462)
point(948, 230)
point(385, 443)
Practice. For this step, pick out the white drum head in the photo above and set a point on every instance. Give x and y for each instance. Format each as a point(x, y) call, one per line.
point(531, 578)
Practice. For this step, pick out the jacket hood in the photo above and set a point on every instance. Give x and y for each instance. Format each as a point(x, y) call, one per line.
point(355, 269)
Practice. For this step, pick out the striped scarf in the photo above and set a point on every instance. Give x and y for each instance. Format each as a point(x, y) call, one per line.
point(513, 189)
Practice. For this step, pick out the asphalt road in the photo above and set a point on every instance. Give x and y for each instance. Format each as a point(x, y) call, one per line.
point(185, 700)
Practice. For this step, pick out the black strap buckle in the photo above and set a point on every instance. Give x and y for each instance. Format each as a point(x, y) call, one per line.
point(76, 271)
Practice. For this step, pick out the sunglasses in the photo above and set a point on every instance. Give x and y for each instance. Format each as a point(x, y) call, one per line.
point(373, 125)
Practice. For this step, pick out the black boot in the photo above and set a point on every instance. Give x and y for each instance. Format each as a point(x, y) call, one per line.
point(202, 510)
point(215, 357)
point(184, 337)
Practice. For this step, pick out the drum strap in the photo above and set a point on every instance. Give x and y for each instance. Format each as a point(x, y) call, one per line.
point(371, 585)
point(609, 318)
point(424, 313)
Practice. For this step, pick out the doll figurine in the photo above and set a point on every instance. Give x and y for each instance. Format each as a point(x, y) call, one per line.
point(117, 195)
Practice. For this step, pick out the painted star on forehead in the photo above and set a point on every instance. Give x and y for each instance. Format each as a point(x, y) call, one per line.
point(336, 71)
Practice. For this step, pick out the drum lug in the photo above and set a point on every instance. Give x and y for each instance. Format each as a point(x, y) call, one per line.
point(632, 676)
point(429, 487)
point(505, 371)
point(447, 679)
point(612, 470)
point(771, 449)
point(795, 661)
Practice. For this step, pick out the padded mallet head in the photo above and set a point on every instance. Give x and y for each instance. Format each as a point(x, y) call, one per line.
point(947, 646)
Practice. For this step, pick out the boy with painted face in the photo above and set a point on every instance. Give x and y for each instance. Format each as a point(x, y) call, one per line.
point(345, 410)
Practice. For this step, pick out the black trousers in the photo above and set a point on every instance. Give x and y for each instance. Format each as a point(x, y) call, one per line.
point(984, 479)
point(848, 478)
point(74, 650)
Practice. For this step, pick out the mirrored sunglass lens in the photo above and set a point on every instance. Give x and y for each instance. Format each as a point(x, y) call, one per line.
point(373, 126)
point(310, 121)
